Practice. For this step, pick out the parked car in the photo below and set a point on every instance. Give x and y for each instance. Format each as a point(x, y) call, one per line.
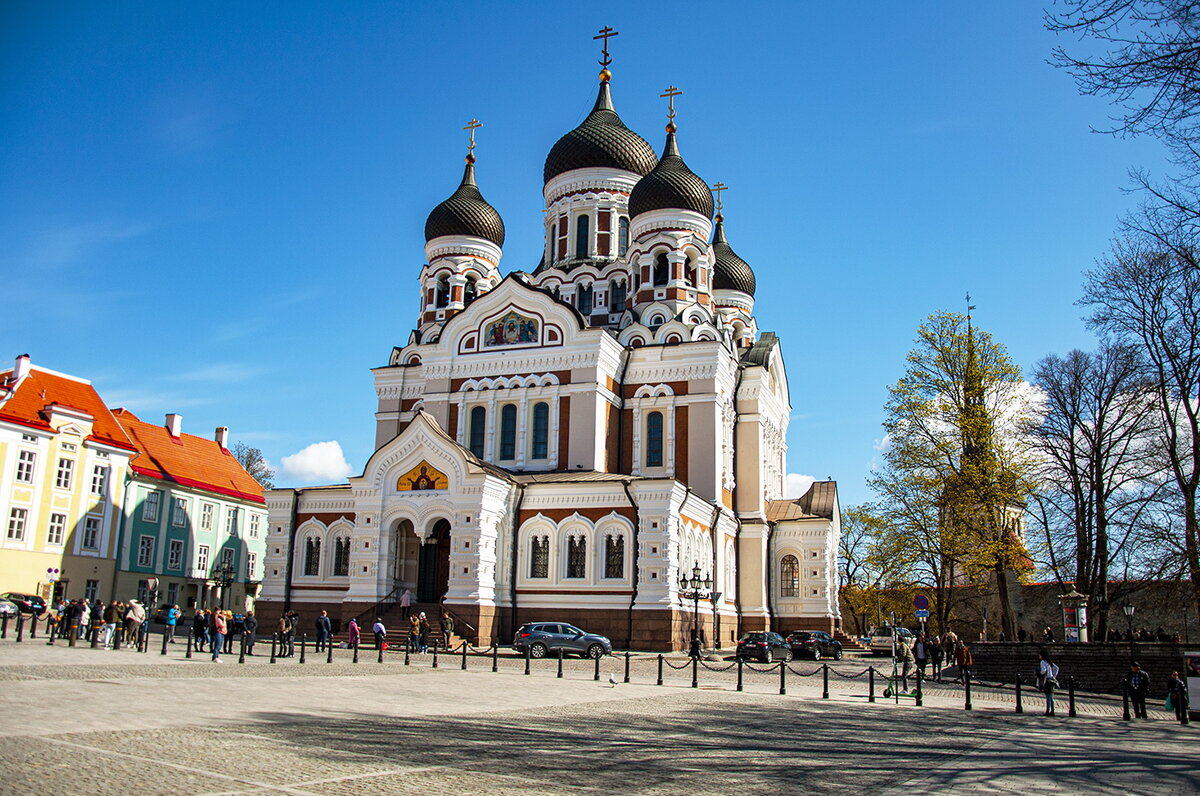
point(815, 644)
point(881, 639)
point(8, 608)
point(764, 647)
point(545, 638)
point(26, 603)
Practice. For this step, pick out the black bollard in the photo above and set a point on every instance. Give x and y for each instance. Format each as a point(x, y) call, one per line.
point(1020, 707)
point(242, 648)
point(407, 648)
point(1184, 718)
point(782, 678)
point(274, 638)
point(1071, 696)
point(355, 652)
point(596, 677)
point(495, 656)
point(20, 627)
point(4, 626)
point(33, 626)
point(527, 660)
point(871, 683)
point(188, 654)
point(329, 651)
point(560, 659)
point(303, 645)
point(739, 665)
point(117, 634)
point(95, 635)
point(920, 691)
point(627, 666)
point(695, 672)
point(825, 683)
point(967, 693)
point(464, 656)
point(378, 652)
point(164, 646)
point(50, 639)
point(660, 660)
point(435, 649)
point(1125, 700)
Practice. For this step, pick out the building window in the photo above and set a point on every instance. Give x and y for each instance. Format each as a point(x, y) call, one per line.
point(622, 236)
point(254, 521)
point(66, 473)
point(58, 527)
point(312, 556)
point(172, 593)
point(341, 556)
point(29, 438)
point(99, 480)
point(227, 559)
point(562, 237)
point(179, 514)
point(470, 290)
point(604, 233)
point(143, 592)
point(581, 237)
point(539, 557)
point(150, 507)
point(585, 299)
point(146, 551)
point(231, 521)
point(508, 432)
point(25, 464)
point(91, 590)
point(477, 429)
point(789, 577)
point(617, 301)
point(202, 559)
point(654, 439)
point(91, 533)
point(175, 555)
point(541, 430)
point(442, 295)
point(206, 516)
point(614, 556)
point(251, 565)
point(662, 271)
point(576, 557)
point(16, 524)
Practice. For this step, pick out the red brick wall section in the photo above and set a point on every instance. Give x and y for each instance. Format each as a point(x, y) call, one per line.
point(564, 430)
point(681, 444)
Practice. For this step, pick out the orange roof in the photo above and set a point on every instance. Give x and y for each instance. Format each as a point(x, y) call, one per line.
point(187, 460)
point(31, 404)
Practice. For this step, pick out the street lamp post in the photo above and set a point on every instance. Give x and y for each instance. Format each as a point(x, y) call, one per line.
point(1129, 611)
point(224, 575)
point(694, 589)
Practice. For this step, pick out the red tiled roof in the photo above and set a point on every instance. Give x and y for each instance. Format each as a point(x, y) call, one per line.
point(29, 405)
point(187, 460)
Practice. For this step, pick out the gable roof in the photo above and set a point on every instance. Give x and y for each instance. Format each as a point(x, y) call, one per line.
point(29, 404)
point(816, 504)
point(187, 460)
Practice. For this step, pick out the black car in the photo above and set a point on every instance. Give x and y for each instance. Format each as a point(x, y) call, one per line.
point(815, 644)
point(26, 603)
point(764, 647)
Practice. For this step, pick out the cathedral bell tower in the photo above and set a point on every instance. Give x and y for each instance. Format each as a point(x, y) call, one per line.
point(464, 236)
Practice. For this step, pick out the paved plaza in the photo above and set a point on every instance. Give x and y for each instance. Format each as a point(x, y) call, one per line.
point(122, 722)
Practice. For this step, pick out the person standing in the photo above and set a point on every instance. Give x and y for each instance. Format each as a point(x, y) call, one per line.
point(447, 626)
point(405, 603)
point(964, 660)
point(904, 659)
point(324, 630)
point(414, 634)
point(231, 626)
point(249, 629)
point(200, 629)
point(112, 615)
point(352, 633)
point(1138, 684)
point(218, 629)
point(380, 632)
point(1177, 691)
point(936, 656)
point(282, 629)
point(1048, 636)
point(169, 619)
point(134, 618)
point(1048, 679)
point(921, 654)
point(423, 638)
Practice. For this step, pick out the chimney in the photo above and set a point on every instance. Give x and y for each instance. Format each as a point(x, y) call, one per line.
point(222, 437)
point(174, 424)
point(22, 368)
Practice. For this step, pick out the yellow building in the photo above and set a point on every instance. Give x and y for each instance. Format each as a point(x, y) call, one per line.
point(64, 463)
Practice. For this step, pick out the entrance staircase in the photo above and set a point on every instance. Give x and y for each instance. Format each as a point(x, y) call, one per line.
point(397, 627)
point(849, 643)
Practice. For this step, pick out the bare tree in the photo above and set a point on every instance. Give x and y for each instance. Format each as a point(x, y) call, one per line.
point(252, 460)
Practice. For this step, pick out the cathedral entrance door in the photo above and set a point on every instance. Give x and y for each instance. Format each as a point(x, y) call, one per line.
point(433, 577)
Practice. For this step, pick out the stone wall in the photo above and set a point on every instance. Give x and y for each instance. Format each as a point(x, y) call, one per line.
point(1095, 667)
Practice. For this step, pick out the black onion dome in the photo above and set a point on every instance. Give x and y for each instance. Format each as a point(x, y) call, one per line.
point(671, 186)
point(602, 140)
point(466, 212)
point(730, 272)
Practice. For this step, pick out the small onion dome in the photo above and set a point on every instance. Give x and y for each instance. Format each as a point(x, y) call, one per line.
point(671, 186)
point(730, 272)
point(602, 140)
point(466, 212)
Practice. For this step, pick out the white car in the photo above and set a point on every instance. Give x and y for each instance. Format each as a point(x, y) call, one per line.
point(881, 639)
point(9, 608)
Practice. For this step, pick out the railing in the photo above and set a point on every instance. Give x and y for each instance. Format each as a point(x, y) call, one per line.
point(458, 620)
point(392, 598)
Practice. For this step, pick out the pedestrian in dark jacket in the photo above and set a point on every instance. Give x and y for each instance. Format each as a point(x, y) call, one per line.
point(936, 656)
point(1138, 684)
point(200, 629)
point(1178, 694)
point(324, 630)
point(250, 627)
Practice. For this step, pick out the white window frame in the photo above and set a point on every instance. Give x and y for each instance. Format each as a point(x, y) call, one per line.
point(227, 557)
point(145, 551)
point(17, 518)
point(231, 525)
point(99, 479)
point(179, 512)
point(64, 478)
point(202, 552)
point(91, 528)
point(150, 506)
point(206, 516)
point(26, 466)
point(57, 529)
point(255, 519)
point(175, 554)
point(251, 565)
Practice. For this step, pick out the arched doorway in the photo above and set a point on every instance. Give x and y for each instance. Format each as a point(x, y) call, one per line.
point(407, 548)
point(433, 574)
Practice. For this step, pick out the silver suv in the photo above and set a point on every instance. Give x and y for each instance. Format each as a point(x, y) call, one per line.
point(881, 639)
point(545, 638)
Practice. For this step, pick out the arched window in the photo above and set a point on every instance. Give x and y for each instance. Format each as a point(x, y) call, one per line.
point(470, 290)
point(614, 556)
point(581, 236)
point(576, 557)
point(654, 439)
point(617, 302)
point(689, 268)
point(443, 292)
point(622, 236)
point(585, 299)
point(541, 430)
point(662, 271)
point(539, 557)
point(476, 429)
point(508, 432)
point(341, 556)
point(789, 577)
point(656, 321)
point(312, 556)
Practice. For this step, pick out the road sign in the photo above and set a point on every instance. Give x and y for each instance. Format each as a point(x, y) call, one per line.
point(921, 602)
point(922, 613)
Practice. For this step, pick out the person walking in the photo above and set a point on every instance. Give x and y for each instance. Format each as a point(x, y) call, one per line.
point(904, 659)
point(218, 629)
point(936, 656)
point(324, 630)
point(170, 617)
point(920, 651)
point(414, 634)
point(423, 638)
point(405, 603)
point(949, 645)
point(249, 629)
point(1138, 684)
point(1048, 679)
point(964, 660)
point(380, 633)
point(112, 615)
point(1177, 695)
point(352, 633)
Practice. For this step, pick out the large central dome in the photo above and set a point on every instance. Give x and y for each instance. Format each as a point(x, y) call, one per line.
point(602, 140)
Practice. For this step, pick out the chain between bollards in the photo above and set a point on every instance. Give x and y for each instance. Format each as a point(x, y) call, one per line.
point(1071, 696)
point(560, 660)
point(660, 661)
point(782, 678)
point(627, 666)
point(871, 683)
point(1020, 708)
point(825, 682)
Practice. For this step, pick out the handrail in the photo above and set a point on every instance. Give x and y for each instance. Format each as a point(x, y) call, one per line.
point(376, 609)
point(459, 620)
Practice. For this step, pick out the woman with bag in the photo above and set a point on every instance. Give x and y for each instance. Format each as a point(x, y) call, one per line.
point(1048, 680)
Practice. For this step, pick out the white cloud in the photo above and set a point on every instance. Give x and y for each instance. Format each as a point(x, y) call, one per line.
point(795, 485)
point(321, 461)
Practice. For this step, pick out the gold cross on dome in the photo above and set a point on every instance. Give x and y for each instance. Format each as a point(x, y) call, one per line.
point(717, 188)
point(671, 94)
point(606, 33)
point(473, 125)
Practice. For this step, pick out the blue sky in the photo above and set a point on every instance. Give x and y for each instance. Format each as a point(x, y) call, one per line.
point(218, 209)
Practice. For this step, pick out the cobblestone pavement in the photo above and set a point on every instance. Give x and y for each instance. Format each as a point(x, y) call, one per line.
point(120, 722)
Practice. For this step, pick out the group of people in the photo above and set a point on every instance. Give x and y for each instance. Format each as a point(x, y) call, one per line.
point(85, 619)
point(418, 630)
point(216, 629)
point(931, 652)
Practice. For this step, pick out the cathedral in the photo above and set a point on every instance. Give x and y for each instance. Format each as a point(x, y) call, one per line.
point(600, 440)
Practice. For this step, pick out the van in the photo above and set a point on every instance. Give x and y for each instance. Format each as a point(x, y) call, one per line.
point(881, 639)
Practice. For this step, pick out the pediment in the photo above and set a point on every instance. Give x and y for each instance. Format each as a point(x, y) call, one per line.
point(511, 317)
point(396, 467)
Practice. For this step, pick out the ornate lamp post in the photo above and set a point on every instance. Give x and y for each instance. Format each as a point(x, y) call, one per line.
point(1129, 611)
point(695, 589)
point(224, 574)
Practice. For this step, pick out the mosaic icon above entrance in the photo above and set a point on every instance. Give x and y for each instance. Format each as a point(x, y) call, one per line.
point(421, 478)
